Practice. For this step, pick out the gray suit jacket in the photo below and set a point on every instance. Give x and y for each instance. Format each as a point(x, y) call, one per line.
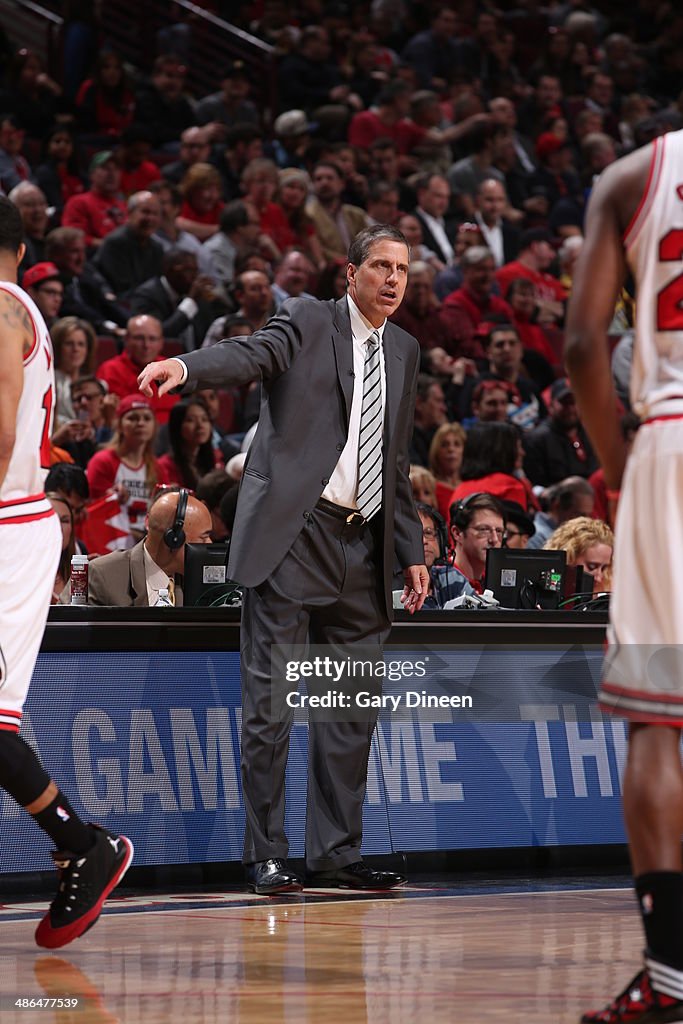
point(118, 579)
point(304, 358)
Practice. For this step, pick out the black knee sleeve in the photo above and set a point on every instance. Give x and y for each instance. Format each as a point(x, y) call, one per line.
point(21, 773)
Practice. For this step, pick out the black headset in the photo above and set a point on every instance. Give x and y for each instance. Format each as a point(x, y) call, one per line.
point(439, 526)
point(458, 515)
point(174, 537)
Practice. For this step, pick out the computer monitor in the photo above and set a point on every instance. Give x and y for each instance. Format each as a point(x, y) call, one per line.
point(206, 582)
point(526, 578)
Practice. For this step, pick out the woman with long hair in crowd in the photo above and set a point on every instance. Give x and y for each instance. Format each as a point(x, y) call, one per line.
point(32, 95)
point(127, 467)
point(491, 463)
point(445, 462)
point(192, 452)
point(58, 174)
point(260, 183)
point(105, 103)
point(74, 344)
point(589, 543)
point(293, 189)
point(202, 192)
point(65, 514)
point(423, 484)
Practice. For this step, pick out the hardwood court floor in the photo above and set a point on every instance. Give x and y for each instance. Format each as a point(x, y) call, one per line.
point(421, 954)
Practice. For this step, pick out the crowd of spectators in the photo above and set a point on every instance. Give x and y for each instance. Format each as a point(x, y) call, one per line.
point(157, 221)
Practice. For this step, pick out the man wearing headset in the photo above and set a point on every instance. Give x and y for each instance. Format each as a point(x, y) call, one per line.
point(135, 577)
point(477, 524)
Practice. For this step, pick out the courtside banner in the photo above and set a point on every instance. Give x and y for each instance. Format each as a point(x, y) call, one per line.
point(477, 748)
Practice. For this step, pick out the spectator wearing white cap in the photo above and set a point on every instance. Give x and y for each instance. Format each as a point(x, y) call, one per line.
point(292, 138)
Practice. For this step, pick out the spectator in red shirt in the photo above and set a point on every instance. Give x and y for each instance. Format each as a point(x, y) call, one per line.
point(490, 462)
point(128, 468)
point(202, 201)
point(105, 103)
point(260, 183)
point(294, 187)
point(142, 344)
point(522, 298)
point(192, 453)
point(101, 209)
point(389, 119)
point(137, 171)
point(463, 310)
point(536, 253)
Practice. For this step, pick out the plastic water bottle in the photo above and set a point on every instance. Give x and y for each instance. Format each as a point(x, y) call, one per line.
point(79, 579)
point(164, 599)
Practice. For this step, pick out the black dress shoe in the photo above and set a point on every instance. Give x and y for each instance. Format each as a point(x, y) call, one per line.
point(355, 876)
point(269, 877)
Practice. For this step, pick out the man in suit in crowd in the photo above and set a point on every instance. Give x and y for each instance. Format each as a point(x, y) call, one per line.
point(325, 509)
point(433, 200)
point(182, 299)
point(134, 577)
point(501, 237)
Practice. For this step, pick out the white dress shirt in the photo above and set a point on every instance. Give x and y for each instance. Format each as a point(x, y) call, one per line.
point(344, 480)
point(343, 483)
point(437, 226)
point(155, 578)
point(493, 238)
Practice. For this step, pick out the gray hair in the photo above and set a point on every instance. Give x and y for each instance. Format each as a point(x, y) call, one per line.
point(24, 187)
point(138, 198)
point(360, 247)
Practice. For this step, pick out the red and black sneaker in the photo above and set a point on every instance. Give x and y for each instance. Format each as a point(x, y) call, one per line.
point(85, 881)
point(639, 1003)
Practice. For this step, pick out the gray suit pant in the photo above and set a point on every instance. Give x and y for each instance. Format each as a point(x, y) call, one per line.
point(328, 588)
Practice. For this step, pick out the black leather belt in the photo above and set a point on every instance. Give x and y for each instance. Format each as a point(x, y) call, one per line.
point(351, 516)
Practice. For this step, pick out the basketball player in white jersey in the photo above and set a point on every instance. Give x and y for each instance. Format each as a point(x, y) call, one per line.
point(635, 222)
point(91, 861)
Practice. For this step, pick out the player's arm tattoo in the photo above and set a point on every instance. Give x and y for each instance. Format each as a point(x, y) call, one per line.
point(14, 315)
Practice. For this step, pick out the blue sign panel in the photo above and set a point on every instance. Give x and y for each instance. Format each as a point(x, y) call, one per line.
point(148, 745)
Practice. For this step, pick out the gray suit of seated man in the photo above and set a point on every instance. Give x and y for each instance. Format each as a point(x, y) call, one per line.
point(134, 577)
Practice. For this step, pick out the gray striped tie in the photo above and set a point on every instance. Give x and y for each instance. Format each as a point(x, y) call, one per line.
point(369, 493)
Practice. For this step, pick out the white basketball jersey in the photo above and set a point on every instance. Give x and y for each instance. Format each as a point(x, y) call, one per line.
point(22, 496)
point(654, 250)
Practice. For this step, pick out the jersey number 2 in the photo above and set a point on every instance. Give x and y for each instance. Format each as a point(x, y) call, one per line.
point(670, 298)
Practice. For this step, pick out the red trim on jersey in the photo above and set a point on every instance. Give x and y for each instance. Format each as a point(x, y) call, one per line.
point(662, 419)
point(30, 518)
point(640, 716)
point(10, 726)
point(650, 188)
point(32, 351)
point(22, 501)
point(653, 698)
